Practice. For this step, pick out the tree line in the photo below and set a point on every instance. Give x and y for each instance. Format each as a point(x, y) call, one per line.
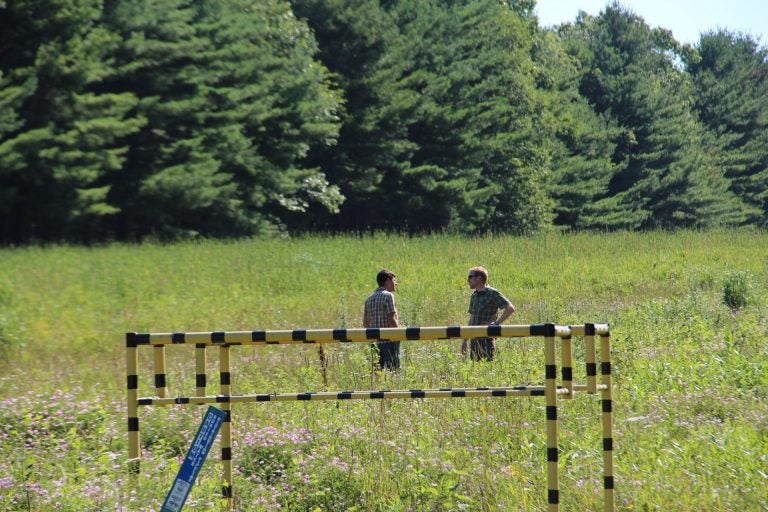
point(123, 119)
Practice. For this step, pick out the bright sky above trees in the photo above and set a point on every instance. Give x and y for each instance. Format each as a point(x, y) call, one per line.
point(685, 18)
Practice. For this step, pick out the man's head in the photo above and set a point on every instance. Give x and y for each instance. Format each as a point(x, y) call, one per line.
point(477, 276)
point(387, 279)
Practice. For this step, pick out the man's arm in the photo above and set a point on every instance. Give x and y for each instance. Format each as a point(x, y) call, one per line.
point(508, 310)
point(392, 319)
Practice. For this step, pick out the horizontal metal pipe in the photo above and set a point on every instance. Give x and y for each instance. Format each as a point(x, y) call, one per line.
point(580, 330)
point(355, 395)
point(299, 336)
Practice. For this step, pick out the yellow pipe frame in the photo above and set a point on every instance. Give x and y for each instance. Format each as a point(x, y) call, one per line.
point(226, 339)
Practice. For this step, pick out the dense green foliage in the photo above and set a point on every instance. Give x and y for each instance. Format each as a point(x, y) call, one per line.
point(126, 119)
point(688, 314)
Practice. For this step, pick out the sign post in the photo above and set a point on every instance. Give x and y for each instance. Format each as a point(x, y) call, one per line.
point(196, 455)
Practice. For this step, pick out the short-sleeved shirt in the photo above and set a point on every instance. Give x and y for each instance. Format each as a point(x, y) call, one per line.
point(484, 305)
point(378, 307)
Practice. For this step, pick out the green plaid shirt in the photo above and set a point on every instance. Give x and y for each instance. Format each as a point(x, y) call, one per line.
point(378, 306)
point(484, 305)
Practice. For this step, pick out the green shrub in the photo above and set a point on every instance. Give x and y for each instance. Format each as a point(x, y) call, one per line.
point(737, 289)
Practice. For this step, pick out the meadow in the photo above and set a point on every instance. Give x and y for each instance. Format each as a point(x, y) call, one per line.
point(689, 319)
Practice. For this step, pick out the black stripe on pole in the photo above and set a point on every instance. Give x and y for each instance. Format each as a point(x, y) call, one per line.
point(223, 399)
point(605, 368)
point(340, 334)
point(550, 371)
point(224, 378)
point(589, 329)
point(159, 380)
point(608, 444)
point(133, 381)
point(145, 401)
point(412, 333)
point(552, 412)
point(567, 373)
point(217, 337)
point(200, 380)
point(141, 338)
point(227, 417)
point(499, 392)
point(372, 334)
point(200, 345)
point(552, 455)
point(133, 424)
point(299, 335)
point(607, 406)
point(454, 332)
point(591, 369)
point(226, 492)
point(304, 396)
point(608, 482)
point(344, 395)
point(494, 330)
point(538, 392)
point(226, 453)
point(263, 398)
point(538, 330)
point(181, 400)
point(417, 393)
point(130, 339)
point(177, 337)
point(258, 336)
point(377, 394)
point(459, 393)
point(553, 495)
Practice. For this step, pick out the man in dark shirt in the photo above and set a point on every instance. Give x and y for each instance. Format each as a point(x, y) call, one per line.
point(484, 306)
point(381, 311)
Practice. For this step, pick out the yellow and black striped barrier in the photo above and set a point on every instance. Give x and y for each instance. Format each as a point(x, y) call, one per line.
point(226, 339)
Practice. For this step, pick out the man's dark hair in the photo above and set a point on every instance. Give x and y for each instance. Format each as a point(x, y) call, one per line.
point(383, 275)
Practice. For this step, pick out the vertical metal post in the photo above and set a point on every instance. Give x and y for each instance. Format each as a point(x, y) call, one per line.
point(132, 377)
point(161, 387)
point(226, 430)
point(566, 357)
point(550, 391)
point(200, 379)
point(589, 342)
point(605, 366)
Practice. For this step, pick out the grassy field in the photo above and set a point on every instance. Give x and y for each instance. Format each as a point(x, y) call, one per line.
point(688, 314)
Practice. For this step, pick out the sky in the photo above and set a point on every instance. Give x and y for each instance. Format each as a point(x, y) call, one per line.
point(685, 18)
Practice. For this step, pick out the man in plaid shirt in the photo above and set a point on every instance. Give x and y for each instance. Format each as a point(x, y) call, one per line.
point(484, 306)
point(381, 311)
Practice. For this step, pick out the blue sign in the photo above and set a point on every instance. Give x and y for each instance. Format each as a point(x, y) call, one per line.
point(189, 470)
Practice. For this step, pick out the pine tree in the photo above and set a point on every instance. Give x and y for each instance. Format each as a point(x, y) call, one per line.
point(730, 73)
point(233, 100)
point(61, 135)
point(582, 141)
point(665, 178)
point(442, 121)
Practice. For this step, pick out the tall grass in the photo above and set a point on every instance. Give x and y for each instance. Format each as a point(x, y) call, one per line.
point(691, 373)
